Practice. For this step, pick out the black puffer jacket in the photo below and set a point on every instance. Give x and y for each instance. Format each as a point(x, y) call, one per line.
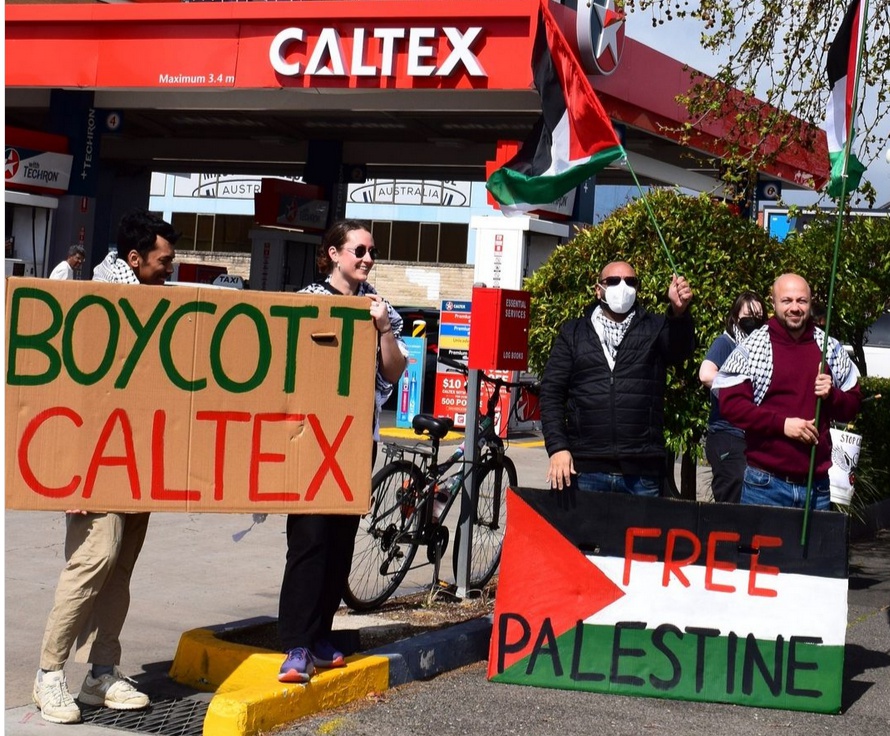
point(612, 420)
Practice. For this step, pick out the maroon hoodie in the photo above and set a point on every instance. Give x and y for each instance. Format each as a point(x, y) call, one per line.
point(791, 394)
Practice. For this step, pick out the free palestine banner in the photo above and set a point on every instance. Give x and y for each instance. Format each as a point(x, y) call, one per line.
point(671, 599)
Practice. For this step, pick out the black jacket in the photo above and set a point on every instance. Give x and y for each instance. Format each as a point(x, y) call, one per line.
point(612, 420)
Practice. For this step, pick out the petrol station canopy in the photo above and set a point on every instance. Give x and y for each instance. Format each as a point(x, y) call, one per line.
point(412, 89)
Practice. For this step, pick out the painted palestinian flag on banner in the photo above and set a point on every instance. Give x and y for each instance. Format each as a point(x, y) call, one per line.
point(843, 67)
point(572, 140)
point(671, 599)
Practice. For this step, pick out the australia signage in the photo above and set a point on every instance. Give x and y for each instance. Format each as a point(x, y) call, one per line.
point(137, 398)
point(672, 599)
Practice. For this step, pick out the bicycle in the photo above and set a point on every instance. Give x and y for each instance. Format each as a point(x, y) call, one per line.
point(411, 496)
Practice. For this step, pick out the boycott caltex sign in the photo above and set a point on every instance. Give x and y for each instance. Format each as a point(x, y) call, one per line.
point(671, 599)
point(138, 398)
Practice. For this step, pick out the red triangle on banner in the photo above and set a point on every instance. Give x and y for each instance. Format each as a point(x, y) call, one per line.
point(543, 576)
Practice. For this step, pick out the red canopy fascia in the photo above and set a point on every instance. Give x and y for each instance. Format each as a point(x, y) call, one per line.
point(227, 46)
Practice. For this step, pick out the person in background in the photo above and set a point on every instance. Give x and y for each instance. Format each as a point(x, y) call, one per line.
point(65, 270)
point(769, 386)
point(602, 394)
point(93, 593)
point(725, 444)
point(320, 546)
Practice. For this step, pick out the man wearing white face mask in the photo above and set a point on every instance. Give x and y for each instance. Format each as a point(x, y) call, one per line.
point(602, 394)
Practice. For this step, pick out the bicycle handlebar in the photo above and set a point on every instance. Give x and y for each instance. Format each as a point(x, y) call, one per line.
point(452, 363)
point(458, 366)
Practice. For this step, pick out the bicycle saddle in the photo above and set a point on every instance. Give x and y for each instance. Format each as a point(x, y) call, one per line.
point(437, 427)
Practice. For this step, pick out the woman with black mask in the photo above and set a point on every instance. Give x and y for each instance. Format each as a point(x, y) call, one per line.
point(725, 444)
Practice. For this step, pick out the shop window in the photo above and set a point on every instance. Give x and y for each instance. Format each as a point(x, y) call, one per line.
point(382, 232)
point(428, 243)
point(184, 222)
point(215, 233)
point(453, 242)
point(403, 243)
point(204, 232)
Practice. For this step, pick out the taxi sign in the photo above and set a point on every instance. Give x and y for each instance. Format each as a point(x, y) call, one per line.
point(229, 281)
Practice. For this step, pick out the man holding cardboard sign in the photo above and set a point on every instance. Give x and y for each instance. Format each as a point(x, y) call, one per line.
point(93, 593)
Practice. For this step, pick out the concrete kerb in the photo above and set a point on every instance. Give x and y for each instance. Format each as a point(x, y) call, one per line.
point(249, 699)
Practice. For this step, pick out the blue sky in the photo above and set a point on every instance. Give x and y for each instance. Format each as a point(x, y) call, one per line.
point(680, 39)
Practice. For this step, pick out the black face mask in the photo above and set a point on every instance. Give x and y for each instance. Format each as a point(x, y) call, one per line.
point(749, 324)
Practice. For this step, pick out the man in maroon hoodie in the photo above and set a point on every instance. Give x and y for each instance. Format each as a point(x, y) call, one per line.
point(768, 387)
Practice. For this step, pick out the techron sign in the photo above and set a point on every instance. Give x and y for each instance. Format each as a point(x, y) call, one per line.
point(430, 52)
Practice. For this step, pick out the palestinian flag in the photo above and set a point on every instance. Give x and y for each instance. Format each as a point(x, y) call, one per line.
point(664, 598)
point(572, 140)
point(843, 68)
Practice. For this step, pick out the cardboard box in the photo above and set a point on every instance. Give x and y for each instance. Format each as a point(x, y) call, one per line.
point(125, 398)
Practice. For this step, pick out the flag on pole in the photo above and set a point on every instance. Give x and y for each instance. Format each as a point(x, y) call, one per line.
point(572, 140)
point(843, 67)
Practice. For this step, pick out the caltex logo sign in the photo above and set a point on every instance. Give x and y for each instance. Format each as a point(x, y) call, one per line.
point(600, 28)
point(12, 162)
point(41, 170)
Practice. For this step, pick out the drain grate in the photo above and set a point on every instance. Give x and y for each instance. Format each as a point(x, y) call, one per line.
point(175, 717)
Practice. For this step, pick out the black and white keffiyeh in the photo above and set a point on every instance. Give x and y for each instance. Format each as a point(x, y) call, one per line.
point(613, 332)
point(114, 270)
point(753, 360)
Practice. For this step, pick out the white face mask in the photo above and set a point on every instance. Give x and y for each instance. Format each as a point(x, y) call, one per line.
point(620, 298)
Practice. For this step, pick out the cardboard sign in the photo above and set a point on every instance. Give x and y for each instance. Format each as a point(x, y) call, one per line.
point(671, 599)
point(126, 398)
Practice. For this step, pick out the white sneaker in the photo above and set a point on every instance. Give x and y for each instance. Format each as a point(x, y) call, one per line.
point(52, 697)
point(113, 691)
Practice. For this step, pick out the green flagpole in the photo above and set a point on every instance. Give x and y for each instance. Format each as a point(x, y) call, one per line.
point(650, 213)
point(841, 208)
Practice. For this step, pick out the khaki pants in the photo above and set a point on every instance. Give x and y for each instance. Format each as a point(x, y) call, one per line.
point(93, 594)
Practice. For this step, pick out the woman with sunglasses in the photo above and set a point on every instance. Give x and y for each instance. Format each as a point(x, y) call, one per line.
point(320, 546)
point(725, 443)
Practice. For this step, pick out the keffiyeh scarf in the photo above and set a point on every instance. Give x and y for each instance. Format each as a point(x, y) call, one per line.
point(115, 270)
point(613, 332)
point(753, 360)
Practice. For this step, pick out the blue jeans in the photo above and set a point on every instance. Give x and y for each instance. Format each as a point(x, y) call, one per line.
point(638, 485)
point(766, 489)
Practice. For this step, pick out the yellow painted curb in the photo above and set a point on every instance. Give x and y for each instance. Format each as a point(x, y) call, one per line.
point(527, 443)
point(249, 699)
point(403, 433)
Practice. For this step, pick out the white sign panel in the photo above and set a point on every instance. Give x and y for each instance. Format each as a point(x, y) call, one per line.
point(412, 192)
point(499, 258)
point(43, 170)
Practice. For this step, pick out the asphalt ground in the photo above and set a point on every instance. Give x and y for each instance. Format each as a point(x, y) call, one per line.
point(192, 575)
point(464, 701)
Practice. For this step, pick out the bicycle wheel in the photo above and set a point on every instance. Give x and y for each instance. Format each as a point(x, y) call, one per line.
point(490, 524)
point(386, 541)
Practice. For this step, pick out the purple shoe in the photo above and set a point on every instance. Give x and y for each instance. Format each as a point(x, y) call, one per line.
point(297, 667)
point(326, 654)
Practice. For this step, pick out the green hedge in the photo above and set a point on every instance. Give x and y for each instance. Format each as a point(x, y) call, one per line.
point(873, 423)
